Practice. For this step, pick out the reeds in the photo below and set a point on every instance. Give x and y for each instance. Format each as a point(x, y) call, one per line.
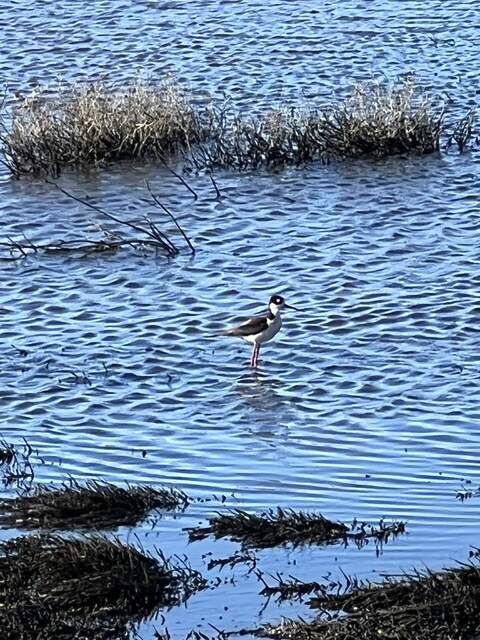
point(375, 120)
point(92, 505)
point(383, 121)
point(96, 124)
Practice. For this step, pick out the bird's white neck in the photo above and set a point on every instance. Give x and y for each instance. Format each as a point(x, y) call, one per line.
point(273, 309)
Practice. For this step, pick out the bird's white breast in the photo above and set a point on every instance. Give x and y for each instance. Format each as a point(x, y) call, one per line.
point(267, 334)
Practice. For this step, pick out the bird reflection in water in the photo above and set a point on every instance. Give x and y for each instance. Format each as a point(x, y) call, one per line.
point(268, 411)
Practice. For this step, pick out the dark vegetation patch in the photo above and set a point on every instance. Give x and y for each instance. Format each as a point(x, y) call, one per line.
point(360, 533)
point(290, 589)
point(467, 492)
point(98, 123)
point(196, 635)
point(283, 526)
point(15, 463)
point(270, 528)
point(92, 587)
point(375, 120)
point(243, 557)
point(91, 505)
point(37, 623)
point(433, 606)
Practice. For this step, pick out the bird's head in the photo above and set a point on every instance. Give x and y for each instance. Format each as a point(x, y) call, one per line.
point(277, 303)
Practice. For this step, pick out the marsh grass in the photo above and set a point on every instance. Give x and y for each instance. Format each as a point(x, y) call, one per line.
point(92, 125)
point(441, 605)
point(92, 505)
point(287, 526)
point(53, 583)
point(270, 528)
point(290, 589)
point(462, 132)
point(89, 125)
point(375, 120)
point(383, 121)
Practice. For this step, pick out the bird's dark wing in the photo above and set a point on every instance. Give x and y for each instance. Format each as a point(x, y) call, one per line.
point(249, 328)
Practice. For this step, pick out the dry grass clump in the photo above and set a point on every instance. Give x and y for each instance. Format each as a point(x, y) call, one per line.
point(432, 606)
point(49, 581)
point(383, 121)
point(93, 124)
point(375, 120)
point(97, 123)
point(91, 505)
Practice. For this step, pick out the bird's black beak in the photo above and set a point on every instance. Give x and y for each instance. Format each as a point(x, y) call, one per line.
point(289, 306)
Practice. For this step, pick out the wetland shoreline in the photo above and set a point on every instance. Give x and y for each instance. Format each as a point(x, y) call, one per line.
point(94, 586)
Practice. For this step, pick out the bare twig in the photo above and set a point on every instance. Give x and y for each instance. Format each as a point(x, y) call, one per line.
point(172, 217)
point(166, 245)
point(183, 181)
point(217, 190)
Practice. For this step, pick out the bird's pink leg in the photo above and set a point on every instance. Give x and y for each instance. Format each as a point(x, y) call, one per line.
point(254, 360)
point(257, 353)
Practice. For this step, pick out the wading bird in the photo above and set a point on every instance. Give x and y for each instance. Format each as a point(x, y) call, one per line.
point(261, 329)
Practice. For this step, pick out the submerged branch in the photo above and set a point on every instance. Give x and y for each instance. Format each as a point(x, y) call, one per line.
point(149, 235)
point(170, 215)
point(152, 234)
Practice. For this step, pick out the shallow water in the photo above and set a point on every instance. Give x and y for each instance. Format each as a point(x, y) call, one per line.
point(367, 403)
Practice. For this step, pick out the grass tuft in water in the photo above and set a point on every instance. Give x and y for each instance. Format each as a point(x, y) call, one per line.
point(91, 505)
point(383, 121)
point(441, 605)
point(290, 589)
point(93, 124)
point(15, 464)
point(375, 120)
point(283, 526)
point(271, 528)
point(88, 585)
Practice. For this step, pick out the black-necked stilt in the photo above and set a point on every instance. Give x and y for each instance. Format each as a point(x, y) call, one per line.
point(261, 328)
